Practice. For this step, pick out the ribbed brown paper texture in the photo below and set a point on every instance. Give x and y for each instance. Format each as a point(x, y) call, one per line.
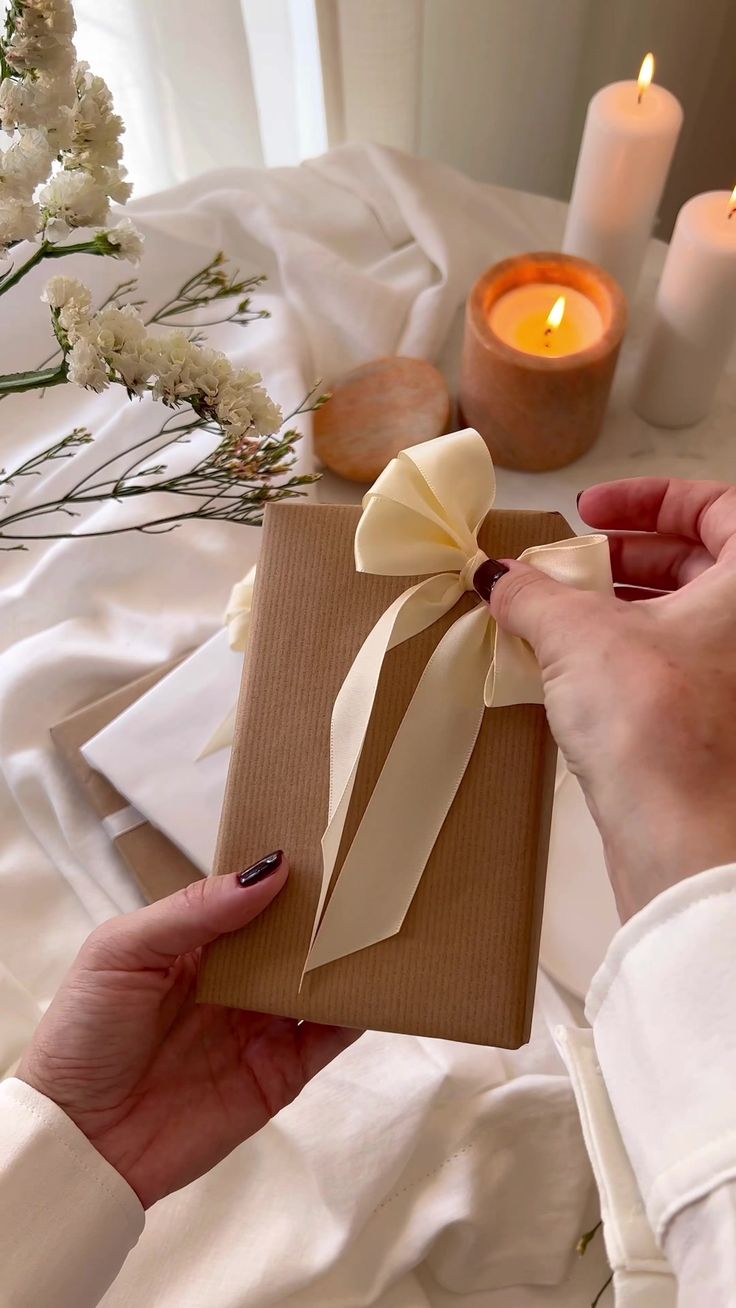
point(463, 965)
point(158, 867)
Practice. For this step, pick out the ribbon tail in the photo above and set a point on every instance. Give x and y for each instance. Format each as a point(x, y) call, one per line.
point(411, 613)
point(412, 797)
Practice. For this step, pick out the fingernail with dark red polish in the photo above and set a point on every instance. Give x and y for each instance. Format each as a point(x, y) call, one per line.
point(487, 576)
point(262, 869)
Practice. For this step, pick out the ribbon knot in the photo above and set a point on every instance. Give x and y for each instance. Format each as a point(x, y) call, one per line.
point(421, 518)
point(471, 567)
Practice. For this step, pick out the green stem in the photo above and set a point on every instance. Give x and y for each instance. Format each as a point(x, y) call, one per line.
point(15, 382)
point(585, 1239)
point(45, 251)
point(81, 247)
point(601, 1292)
point(12, 279)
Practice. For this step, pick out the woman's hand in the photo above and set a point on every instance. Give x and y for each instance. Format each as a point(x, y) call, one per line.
point(162, 1088)
point(641, 697)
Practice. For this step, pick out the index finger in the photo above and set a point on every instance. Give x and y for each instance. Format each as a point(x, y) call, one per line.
point(695, 510)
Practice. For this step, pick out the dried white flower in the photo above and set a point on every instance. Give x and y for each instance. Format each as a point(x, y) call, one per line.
point(268, 418)
point(19, 221)
point(177, 367)
point(207, 378)
point(25, 103)
point(115, 184)
point(114, 345)
point(126, 241)
point(63, 110)
point(41, 41)
point(60, 130)
point(76, 198)
point(97, 128)
point(56, 230)
point(136, 368)
point(116, 329)
point(119, 336)
point(87, 367)
point(71, 300)
point(24, 164)
point(58, 292)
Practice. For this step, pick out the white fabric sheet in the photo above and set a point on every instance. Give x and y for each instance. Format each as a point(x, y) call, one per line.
point(405, 1176)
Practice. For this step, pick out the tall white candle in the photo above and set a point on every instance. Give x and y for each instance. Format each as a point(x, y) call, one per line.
point(694, 323)
point(629, 137)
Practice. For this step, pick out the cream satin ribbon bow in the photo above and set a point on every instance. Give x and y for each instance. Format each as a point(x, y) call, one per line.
point(422, 516)
point(237, 620)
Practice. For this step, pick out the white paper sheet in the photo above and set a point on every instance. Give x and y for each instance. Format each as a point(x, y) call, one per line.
point(151, 753)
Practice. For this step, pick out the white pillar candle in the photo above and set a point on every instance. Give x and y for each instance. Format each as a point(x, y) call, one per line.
point(694, 323)
point(629, 137)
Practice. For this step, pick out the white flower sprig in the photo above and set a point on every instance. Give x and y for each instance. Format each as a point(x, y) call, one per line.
point(64, 164)
point(251, 459)
point(114, 346)
point(60, 171)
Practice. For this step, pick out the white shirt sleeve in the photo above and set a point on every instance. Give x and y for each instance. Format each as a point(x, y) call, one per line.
point(67, 1219)
point(655, 1083)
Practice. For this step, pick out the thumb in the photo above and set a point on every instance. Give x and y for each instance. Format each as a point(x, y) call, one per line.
point(154, 937)
point(524, 600)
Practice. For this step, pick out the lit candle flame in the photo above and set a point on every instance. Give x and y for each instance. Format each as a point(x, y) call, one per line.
point(732, 203)
point(555, 315)
point(646, 73)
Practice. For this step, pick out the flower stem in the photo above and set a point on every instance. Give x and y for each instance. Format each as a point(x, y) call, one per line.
point(601, 1292)
point(585, 1239)
point(15, 382)
point(81, 247)
point(12, 278)
point(45, 251)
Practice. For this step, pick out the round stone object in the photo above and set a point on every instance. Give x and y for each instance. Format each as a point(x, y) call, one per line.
point(377, 410)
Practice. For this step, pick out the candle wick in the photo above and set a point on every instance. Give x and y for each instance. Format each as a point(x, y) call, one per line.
point(638, 98)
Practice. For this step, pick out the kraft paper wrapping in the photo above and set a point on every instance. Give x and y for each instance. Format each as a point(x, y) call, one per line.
point(464, 963)
point(158, 867)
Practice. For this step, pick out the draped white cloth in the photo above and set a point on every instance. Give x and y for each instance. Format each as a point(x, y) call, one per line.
point(414, 1172)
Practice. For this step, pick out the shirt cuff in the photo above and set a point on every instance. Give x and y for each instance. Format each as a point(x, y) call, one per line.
point(661, 1008)
point(67, 1219)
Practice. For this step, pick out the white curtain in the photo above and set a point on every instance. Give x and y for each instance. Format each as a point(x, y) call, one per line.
point(498, 88)
point(208, 83)
point(180, 76)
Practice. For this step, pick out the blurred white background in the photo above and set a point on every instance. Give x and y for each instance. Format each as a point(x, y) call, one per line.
point(497, 88)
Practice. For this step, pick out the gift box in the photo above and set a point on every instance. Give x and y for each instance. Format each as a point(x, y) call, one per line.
point(461, 962)
point(158, 866)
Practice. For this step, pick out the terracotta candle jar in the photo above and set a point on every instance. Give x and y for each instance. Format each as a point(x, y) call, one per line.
point(542, 336)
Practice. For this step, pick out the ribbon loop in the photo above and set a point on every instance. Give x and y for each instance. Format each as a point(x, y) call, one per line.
point(422, 517)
